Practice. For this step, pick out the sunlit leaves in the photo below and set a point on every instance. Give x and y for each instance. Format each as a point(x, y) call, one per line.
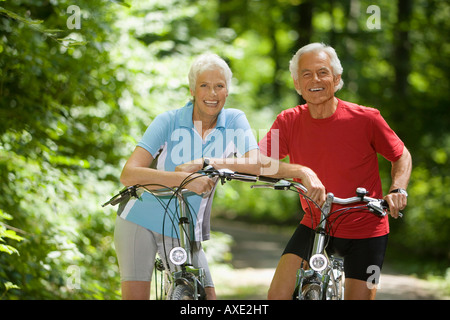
point(73, 104)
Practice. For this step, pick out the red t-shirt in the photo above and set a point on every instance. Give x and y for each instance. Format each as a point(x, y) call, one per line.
point(342, 151)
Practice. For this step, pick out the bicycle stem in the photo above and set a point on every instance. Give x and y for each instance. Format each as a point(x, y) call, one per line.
point(319, 239)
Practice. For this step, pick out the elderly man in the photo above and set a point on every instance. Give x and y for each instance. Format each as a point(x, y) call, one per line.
point(332, 147)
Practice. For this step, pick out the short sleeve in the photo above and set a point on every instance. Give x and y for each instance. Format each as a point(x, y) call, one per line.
point(273, 144)
point(243, 135)
point(384, 140)
point(156, 134)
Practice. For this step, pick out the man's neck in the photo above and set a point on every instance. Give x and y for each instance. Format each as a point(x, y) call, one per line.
point(323, 110)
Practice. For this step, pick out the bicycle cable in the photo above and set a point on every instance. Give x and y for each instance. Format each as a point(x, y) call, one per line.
point(167, 212)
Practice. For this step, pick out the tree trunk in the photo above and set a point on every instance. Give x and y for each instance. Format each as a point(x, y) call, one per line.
point(402, 48)
point(303, 24)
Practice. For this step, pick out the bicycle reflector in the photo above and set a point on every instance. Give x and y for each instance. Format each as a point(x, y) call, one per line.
point(318, 262)
point(178, 256)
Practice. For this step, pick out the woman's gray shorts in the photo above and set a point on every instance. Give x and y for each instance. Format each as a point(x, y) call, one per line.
point(136, 249)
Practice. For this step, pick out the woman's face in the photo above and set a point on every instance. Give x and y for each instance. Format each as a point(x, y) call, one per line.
point(210, 94)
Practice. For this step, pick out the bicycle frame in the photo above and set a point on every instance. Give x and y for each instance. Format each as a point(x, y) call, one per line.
point(181, 257)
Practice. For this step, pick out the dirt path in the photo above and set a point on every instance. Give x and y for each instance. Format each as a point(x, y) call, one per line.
point(256, 252)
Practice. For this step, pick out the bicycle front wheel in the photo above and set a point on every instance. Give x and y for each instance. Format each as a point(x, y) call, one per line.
point(311, 291)
point(182, 292)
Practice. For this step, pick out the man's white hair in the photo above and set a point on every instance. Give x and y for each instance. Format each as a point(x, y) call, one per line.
point(209, 61)
point(317, 47)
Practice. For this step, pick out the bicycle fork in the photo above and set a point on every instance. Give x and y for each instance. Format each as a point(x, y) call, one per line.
point(313, 284)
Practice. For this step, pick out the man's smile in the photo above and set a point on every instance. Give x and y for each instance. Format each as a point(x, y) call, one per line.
point(316, 89)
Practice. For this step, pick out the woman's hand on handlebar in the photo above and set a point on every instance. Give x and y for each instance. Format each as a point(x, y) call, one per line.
point(200, 184)
point(191, 166)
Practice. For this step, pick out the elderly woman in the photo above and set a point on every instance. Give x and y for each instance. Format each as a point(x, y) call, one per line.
point(179, 140)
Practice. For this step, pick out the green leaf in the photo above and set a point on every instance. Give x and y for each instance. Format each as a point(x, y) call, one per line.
point(4, 215)
point(15, 16)
point(10, 234)
point(122, 3)
point(72, 42)
point(8, 249)
point(9, 285)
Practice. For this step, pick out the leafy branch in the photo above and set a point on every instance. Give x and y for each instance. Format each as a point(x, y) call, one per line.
point(37, 25)
point(9, 233)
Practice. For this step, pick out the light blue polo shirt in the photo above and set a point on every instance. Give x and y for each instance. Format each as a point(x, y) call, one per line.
point(173, 138)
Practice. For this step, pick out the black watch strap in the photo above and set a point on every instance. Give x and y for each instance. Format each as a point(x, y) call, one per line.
point(399, 190)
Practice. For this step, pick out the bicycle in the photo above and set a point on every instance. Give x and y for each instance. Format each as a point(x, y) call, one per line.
point(325, 279)
point(187, 281)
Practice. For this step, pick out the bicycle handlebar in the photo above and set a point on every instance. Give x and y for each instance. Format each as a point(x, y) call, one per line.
point(377, 206)
point(227, 175)
point(132, 191)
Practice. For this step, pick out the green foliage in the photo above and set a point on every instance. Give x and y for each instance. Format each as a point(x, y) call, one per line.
point(73, 102)
point(60, 142)
point(7, 233)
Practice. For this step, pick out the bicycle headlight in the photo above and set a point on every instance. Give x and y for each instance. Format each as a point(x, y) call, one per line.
point(178, 256)
point(318, 262)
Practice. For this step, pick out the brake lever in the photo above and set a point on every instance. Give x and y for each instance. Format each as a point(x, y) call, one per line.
point(129, 191)
point(377, 208)
point(380, 208)
point(282, 185)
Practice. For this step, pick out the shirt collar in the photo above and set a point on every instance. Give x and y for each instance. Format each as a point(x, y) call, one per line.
point(186, 117)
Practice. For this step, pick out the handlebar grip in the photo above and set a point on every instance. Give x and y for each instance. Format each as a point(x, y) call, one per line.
point(385, 206)
point(116, 199)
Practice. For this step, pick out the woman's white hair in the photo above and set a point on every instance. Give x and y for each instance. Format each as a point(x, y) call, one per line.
point(209, 61)
point(317, 47)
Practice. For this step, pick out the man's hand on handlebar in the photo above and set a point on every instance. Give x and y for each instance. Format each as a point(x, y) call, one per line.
point(316, 190)
point(396, 202)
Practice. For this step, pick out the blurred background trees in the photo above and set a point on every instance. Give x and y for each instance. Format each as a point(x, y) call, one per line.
point(74, 102)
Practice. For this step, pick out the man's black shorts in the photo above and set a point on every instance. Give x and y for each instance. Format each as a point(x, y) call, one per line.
point(358, 254)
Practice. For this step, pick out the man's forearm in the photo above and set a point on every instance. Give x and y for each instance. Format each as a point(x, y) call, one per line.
point(401, 171)
point(274, 168)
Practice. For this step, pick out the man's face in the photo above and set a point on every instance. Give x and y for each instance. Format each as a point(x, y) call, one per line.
point(315, 80)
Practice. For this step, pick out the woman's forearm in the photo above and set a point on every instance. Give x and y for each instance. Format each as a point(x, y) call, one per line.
point(141, 175)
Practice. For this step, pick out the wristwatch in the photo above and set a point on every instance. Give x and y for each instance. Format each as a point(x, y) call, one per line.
point(206, 162)
point(399, 190)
